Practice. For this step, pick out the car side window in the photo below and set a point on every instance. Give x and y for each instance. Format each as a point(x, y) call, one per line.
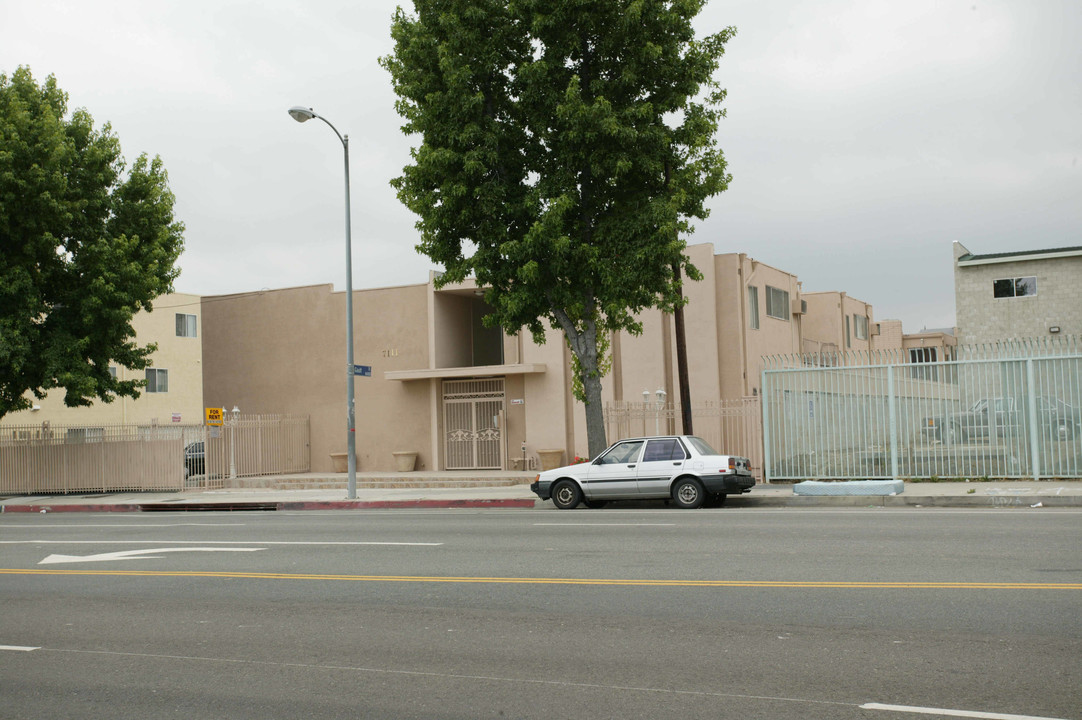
point(668, 449)
point(622, 453)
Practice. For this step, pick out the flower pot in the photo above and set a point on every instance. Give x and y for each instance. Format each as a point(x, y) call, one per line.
point(551, 458)
point(404, 461)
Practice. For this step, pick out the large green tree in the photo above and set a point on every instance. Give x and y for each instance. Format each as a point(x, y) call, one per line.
point(563, 148)
point(84, 245)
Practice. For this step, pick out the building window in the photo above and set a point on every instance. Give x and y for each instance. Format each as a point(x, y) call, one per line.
point(753, 307)
point(919, 356)
point(112, 371)
point(848, 334)
point(1014, 287)
point(777, 303)
point(860, 326)
point(157, 380)
point(185, 325)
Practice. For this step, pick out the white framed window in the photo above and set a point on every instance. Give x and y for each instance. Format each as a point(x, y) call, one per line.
point(753, 308)
point(1014, 287)
point(860, 326)
point(157, 380)
point(186, 325)
point(777, 303)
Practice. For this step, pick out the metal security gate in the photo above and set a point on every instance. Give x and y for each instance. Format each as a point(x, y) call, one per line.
point(471, 419)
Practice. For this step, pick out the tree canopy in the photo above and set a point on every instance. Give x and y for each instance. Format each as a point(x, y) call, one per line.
point(84, 245)
point(563, 149)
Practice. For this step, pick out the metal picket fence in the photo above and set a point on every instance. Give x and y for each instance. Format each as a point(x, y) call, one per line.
point(1004, 410)
point(56, 459)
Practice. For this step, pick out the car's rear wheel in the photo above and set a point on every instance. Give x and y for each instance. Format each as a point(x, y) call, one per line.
point(566, 495)
point(688, 493)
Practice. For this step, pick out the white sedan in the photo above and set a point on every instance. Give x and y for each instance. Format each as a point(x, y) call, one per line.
point(681, 467)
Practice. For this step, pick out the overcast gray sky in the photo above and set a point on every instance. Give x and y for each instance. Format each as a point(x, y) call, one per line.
point(864, 136)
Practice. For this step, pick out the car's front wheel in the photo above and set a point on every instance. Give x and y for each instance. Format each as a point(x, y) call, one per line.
point(566, 495)
point(688, 493)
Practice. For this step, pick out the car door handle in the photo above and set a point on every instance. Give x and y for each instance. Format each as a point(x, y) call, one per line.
point(677, 462)
point(631, 465)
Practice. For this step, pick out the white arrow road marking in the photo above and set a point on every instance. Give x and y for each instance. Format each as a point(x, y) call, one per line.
point(947, 712)
point(19, 648)
point(136, 554)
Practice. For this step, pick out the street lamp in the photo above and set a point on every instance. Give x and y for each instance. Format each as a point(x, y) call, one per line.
point(233, 443)
point(660, 404)
point(303, 114)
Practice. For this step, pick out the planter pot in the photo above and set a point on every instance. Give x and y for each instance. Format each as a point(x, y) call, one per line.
point(341, 462)
point(551, 458)
point(404, 461)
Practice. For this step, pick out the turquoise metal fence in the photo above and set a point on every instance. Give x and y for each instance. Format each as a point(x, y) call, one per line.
point(1009, 410)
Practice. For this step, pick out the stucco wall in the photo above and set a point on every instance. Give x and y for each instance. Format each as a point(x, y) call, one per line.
point(283, 351)
point(181, 356)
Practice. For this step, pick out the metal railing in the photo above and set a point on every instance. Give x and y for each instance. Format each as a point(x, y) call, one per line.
point(52, 459)
point(1003, 410)
point(729, 426)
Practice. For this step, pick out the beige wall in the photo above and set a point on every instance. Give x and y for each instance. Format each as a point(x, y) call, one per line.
point(283, 351)
point(830, 324)
point(181, 356)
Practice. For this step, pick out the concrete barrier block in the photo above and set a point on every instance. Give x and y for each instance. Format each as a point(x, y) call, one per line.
point(850, 487)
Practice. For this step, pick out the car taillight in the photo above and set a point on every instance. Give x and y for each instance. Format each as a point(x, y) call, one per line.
point(732, 463)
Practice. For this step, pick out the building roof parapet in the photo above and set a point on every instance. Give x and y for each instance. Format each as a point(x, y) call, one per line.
point(991, 258)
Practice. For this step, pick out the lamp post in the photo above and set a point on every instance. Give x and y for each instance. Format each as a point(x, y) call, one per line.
point(233, 443)
point(303, 114)
point(660, 404)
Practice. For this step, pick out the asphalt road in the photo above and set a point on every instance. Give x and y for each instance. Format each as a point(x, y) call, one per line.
point(640, 613)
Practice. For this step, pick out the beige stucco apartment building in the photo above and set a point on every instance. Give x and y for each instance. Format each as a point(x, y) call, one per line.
point(174, 394)
point(1024, 294)
point(461, 396)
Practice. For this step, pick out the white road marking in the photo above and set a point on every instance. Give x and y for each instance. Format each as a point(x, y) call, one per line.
point(133, 525)
point(136, 554)
point(208, 542)
point(604, 524)
point(18, 648)
point(946, 712)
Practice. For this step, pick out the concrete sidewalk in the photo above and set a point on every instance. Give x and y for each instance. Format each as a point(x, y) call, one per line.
point(1019, 494)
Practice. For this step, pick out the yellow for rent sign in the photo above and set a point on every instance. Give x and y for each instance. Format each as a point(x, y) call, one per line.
point(215, 415)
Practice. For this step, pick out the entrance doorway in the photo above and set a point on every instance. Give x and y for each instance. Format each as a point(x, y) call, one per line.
point(472, 412)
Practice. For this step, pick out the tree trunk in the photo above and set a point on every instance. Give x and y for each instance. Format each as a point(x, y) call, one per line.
point(584, 346)
point(682, 359)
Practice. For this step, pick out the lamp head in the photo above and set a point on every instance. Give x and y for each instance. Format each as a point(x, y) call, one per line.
point(301, 114)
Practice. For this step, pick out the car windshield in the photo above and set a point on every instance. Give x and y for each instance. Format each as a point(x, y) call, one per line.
point(701, 446)
point(621, 453)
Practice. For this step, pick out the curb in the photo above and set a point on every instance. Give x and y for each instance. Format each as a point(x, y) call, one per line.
point(273, 506)
point(788, 501)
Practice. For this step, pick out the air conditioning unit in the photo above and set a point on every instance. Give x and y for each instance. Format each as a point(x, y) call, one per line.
point(875, 329)
point(800, 307)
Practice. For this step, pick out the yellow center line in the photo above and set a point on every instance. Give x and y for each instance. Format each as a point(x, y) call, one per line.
point(621, 582)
